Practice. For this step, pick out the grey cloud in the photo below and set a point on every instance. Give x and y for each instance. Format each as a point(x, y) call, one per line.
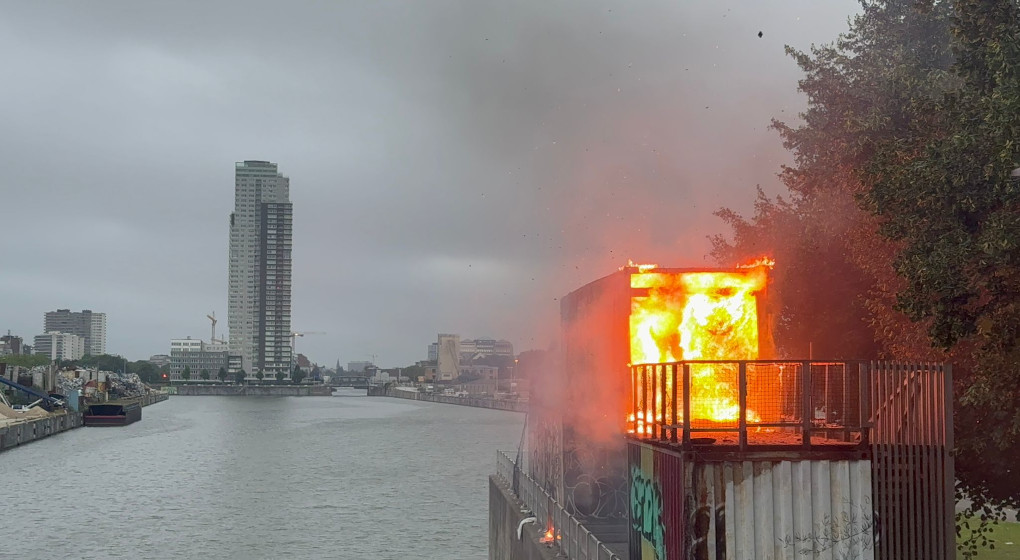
point(455, 166)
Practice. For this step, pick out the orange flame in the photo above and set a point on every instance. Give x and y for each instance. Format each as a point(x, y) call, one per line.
point(640, 267)
point(698, 316)
point(548, 538)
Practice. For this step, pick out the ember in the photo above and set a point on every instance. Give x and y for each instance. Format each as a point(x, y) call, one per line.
point(697, 315)
point(548, 537)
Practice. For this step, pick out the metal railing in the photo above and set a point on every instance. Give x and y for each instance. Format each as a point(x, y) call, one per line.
point(765, 402)
point(575, 541)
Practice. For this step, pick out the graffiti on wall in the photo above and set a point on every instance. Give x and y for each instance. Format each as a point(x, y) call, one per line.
point(646, 510)
point(595, 486)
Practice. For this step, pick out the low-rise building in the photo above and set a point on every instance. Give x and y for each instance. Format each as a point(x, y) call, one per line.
point(59, 346)
point(159, 360)
point(10, 344)
point(197, 355)
point(479, 371)
point(358, 367)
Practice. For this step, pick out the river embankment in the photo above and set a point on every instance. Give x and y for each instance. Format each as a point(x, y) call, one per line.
point(405, 393)
point(19, 428)
point(252, 390)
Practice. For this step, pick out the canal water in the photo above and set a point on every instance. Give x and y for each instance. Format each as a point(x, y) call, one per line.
point(249, 477)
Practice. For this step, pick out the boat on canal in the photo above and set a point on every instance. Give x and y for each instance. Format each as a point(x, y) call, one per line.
point(112, 414)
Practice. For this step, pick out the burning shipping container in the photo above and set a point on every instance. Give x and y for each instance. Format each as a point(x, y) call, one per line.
point(671, 411)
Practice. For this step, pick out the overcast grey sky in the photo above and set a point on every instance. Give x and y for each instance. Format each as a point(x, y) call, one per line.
point(455, 166)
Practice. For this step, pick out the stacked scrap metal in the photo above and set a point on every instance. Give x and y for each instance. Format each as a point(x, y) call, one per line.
point(122, 385)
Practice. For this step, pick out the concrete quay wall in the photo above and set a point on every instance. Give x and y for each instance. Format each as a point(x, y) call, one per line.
point(255, 390)
point(29, 430)
point(511, 406)
point(19, 433)
point(504, 518)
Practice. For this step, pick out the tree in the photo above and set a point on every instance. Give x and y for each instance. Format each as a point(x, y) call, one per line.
point(25, 360)
point(280, 376)
point(146, 370)
point(186, 374)
point(297, 375)
point(959, 233)
point(222, 374)
point(240, 376)
point(901, 180)
point(104, 362)
point(260, 376)
point(204, 374)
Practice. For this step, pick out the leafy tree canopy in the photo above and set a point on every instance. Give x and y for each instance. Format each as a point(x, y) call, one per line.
point(901, 226)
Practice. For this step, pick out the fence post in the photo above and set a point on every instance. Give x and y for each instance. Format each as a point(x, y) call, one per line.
point(742, 395)
point(806, 410)
point(687, 404)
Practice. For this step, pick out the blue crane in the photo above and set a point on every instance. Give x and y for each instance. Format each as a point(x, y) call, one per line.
point(48, 402)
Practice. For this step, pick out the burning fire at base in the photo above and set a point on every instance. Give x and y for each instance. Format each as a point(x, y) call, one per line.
point(548, 537)
point(696, 315)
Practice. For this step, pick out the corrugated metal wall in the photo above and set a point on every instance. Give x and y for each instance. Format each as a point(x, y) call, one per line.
point(748, 510)
point(772, 510)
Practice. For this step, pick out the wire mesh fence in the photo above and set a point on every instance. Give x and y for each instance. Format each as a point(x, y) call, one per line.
point(574, 540)
point(750, 403)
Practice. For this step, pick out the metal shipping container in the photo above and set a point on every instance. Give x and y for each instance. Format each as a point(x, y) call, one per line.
point(762, 509)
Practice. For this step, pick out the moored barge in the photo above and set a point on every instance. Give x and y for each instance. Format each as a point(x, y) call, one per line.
point(112, 414)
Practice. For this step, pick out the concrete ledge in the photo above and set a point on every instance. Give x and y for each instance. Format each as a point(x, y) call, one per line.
point(255, 390)
point(510, 406)
point(13, 435)
point(504, 517)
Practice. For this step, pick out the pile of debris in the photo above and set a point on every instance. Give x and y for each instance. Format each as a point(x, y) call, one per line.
point(122, 385)
point(65, 386)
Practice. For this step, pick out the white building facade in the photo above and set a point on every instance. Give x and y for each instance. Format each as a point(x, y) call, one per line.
point(259, 284)
point(59, 346)
point(197, 355)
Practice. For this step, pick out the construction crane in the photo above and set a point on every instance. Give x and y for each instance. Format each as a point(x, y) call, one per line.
point(212, 318)
point(293, 341)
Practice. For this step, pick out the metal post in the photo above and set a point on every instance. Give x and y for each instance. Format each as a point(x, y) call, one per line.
point(662, 399)
point(806, 410)
point(672, 403)
point(687, 404)
point(742, 396)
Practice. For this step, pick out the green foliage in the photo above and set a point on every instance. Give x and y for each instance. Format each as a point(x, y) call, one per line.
point(259, 375)
point(204, 374)
point(222, 374)
point(297, 375)
point(186, 374)
point(240, 376)
point(25, 360)
point(902, 220)
point(146, 371)
point(947, 198)
point(413, 372)
point(280, 376)
point(103, 362)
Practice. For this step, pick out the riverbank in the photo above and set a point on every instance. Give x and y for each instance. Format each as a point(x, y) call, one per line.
point(22, 431)
point(510, 406)
point(252, 390)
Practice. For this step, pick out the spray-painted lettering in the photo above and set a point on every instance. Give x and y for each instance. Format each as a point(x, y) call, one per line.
point(646, 511)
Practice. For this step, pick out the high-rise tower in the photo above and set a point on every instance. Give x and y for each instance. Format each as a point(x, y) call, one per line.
point(87, 324)
point(258, 311)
